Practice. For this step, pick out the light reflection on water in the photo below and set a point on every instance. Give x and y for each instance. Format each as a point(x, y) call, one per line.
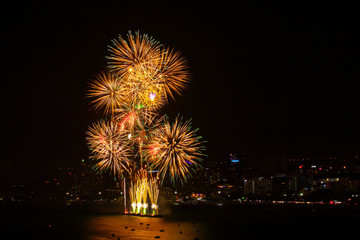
point(93, 222)
point(134, 227)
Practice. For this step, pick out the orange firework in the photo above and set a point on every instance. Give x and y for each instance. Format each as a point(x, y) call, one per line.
point(175, 149)
point(110, 148)
point(140, 51)
point(108, 92)
point(150, 72)
point(142, 76)
point(172, 72)
point(133, 117)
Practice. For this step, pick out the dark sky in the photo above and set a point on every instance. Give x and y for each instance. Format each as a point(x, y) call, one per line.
point(266, 80)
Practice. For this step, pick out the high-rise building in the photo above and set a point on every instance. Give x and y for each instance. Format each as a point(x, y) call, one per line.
point(235, 168)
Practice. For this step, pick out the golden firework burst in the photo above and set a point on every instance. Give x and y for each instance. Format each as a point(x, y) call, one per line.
point(110, 148)
point(139, 51)
point(107, 92)
point(150, 71)
point(175, 149)
point(172, 72)
point(142, 76)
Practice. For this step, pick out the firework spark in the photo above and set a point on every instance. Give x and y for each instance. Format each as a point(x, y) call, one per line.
point(139, 192)
point(151, 72)
point(172, 72)
point(134, 117)
point(142, 76)
point(153, 190)
point(110, 148)
point(108, 92)
point(140, 51)
point(140, 126)
point(175, 149)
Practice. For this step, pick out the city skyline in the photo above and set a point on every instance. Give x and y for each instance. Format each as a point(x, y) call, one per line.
point(262, 142)
point(265, 81)
point(300, 178)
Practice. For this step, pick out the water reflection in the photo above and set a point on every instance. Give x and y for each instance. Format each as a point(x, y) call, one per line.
point(134, 227)
point(210, 222)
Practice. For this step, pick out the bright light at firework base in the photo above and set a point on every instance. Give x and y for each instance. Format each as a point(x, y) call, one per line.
point(144, 207)
point(154, 209)
point(144, 192)
point(138, 205)
point(133, 207)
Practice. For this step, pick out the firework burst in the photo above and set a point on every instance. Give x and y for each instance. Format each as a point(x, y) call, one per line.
point(150, 71)
point(173, 72)
point(142, 76)
point(134, 117)
point(139, 52)
point(175, 149)
point(107, 92)
point(110, 148)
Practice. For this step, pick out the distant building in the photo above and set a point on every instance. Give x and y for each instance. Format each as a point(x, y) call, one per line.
point(235, 168)
point(258, 186)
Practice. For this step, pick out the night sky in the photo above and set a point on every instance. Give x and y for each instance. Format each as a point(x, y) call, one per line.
point(269, 80)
